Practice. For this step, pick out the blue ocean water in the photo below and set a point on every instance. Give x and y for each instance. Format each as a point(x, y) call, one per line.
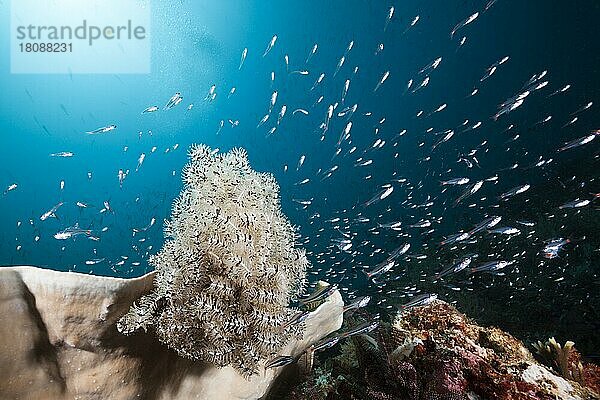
point(198, 44)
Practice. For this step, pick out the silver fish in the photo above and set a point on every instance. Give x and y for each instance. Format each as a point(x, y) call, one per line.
point(63, 154)
point(299, 317)
point(388, 18)
point(552, 248)
point(490, 266)
point(360, 302)
point(381, 268)
point(280, 361)
point(506, 230)
point(312, 52)
point(575, 204)
point(421, 300)
point(51, 213)
point(72, 232)
point(150, 109)
point(243, 57)
point(464, 23)
point(580, 141)
point(514, 191)
point(456, 267)
point(10, 188)
point(270, 45)
point(102, 130)
point(485, 224)
point(386, 75)
point(456, 181)
point(173, 101)
point(361, 329)
point(326, 343)
point(321, 293)
point(458, 237)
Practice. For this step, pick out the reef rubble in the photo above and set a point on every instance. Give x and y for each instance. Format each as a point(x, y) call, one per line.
point(59, 340)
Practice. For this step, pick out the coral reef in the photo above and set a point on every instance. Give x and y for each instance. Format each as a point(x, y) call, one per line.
point(228, 269)
point(435, 352)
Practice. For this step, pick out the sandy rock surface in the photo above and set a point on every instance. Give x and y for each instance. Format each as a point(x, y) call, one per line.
point(58, 340)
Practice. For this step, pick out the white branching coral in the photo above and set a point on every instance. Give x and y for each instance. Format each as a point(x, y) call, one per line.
point(229, 267)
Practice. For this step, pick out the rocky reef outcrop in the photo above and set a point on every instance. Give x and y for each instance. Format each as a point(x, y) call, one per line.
point(58, 341)
point(435, 352)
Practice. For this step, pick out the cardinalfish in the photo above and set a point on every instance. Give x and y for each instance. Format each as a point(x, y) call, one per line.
point(457, 267)
point(471, 190)
point(313, 51)
point(490, 267)
point(463, 23)
point(360, 302)
point(386, 75)
point(388, 18)
point(137, 230)
point(577, 203)
point(173, 101)
point(381, 268)
point(553, 247)
point(72, 232)
point(243, 57)
point(418, 301)
point(514, 191)
point(102, 130)
point(212, 94)
point(297, 318)
point(281, 361)
point(485, 224)
point(10, 188)
point(63, 154)
point(121, 175)
point(270, 45)
point(580, 141)
point(51, 213)
point(150, 109)
point(458, 237)
point(323, 291)
point(360, 329)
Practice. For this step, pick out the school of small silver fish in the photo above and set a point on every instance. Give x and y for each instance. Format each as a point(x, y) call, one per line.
point(370, 221)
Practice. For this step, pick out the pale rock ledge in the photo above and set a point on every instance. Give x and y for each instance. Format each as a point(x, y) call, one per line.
point(58, 340)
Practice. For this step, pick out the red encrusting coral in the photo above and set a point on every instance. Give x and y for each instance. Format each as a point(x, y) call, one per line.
point(434, 352)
